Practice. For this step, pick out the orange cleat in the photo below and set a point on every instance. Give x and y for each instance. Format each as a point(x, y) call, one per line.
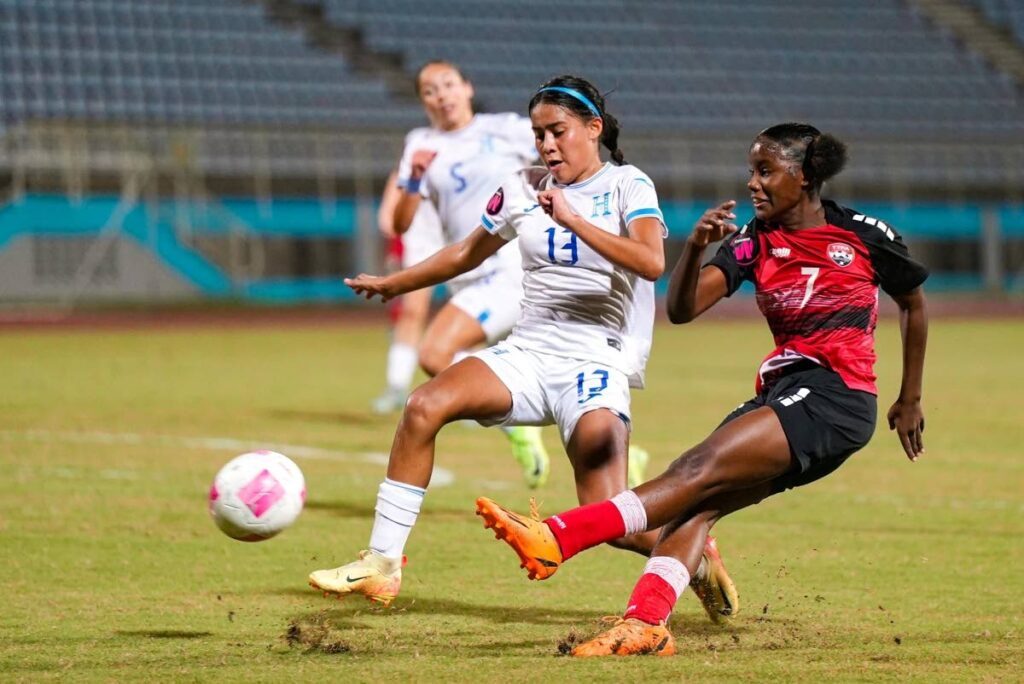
point(629, 637)
point(713, 586)
point(529, 537)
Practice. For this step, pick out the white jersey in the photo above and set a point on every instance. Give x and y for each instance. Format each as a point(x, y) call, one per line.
point(576, 303)
point(470, 163)
point(424, 236)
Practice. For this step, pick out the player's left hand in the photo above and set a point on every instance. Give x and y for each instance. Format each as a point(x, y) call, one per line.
point(555, 205)
point(907, 419)
point(369, 285)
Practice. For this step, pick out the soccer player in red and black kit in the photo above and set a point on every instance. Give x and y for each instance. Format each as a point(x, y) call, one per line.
point(816, 267)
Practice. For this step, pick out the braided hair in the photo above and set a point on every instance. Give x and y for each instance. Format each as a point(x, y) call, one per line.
point(819, 155)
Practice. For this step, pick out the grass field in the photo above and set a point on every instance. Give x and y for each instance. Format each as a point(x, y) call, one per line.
point(112, 570)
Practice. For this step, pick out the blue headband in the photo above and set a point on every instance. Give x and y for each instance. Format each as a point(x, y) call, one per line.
point(573, 93)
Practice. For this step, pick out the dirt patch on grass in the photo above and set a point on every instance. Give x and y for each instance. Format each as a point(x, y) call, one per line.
point(570, 641)
point(315, 634)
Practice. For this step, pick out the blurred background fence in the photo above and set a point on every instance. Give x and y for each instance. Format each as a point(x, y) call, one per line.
point(230, 149)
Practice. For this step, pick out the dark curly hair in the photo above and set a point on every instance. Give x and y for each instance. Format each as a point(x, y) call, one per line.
point(820, 155)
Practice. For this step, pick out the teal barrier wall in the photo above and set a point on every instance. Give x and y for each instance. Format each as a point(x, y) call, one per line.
point(151, 225)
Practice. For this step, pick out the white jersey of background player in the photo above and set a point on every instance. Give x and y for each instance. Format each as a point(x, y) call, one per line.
point(468, 164)
point(577, 303)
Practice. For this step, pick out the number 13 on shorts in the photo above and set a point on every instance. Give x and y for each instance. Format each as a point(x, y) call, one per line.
point(590, 385)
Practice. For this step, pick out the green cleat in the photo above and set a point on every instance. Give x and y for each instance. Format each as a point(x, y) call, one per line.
point(637, 464)
point(528, 449)
point(713, 586)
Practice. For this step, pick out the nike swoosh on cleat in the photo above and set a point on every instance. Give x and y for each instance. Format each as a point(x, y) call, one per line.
point(546, 563)
point(516, 519)
point(348, 578)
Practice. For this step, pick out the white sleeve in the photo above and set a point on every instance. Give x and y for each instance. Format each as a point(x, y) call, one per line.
point(413, 142)
point(498, 216)
point(640, 200)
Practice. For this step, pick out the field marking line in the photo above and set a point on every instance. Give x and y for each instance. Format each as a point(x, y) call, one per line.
point(442, 477)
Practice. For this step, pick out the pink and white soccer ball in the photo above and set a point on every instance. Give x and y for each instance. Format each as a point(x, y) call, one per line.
point(256, 495)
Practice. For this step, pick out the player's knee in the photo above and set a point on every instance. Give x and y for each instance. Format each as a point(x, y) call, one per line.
point(424, 412)
point(434, 359)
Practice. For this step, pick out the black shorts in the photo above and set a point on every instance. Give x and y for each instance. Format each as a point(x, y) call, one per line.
point(824, 420)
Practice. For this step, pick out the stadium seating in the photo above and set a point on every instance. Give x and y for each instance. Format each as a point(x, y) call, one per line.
point(865, 70)
point(1006, 13)
point(681, 72)
point(181, 61)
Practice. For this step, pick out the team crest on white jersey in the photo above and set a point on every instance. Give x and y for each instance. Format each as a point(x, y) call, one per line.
point(496, 202)
point(781, 252)
point(841, 253)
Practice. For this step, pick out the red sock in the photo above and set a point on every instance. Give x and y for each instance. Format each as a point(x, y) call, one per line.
point(586, 526)
point(652, 600)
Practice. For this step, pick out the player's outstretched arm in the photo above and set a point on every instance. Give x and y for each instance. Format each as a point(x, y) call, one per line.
point(444, 265)
point(692, 290)
point(906, 416)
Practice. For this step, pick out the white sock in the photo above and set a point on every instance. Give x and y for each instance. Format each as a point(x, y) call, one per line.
point(402, 362)
point(670, 570)
point(631, 510)
point(459, 355)
point(398, 506)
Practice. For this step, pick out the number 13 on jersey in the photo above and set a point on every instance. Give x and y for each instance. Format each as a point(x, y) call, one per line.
point(568, 254)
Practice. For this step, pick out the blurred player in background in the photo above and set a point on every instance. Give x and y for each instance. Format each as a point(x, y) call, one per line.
point(449, 169)
point(816, 267)
point(590, 238)
point(409, 313)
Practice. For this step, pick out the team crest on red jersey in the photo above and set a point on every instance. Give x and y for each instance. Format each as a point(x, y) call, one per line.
point(496, 202)
point(841, 253)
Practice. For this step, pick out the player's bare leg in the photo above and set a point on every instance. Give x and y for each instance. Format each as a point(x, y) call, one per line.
point(685, 554)
point(451, 331)
point(689, 541)
point(599, 451)
point(468, 389)
point(403, 354)
point(747, 452)
point(450, 335)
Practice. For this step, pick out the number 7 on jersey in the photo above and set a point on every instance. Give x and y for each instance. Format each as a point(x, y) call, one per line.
point(813, 272)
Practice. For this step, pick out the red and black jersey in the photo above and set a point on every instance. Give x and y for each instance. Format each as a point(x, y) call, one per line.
point(818, 288)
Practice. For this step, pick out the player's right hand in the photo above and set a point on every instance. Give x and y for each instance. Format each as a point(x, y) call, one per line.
point(421, 160)
point(369, 285)
point(714, 225)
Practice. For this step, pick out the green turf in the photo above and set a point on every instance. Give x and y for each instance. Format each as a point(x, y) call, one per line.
point(112, 570)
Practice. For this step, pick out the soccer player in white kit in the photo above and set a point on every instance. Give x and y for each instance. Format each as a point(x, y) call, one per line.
point(591, 243)
point(449, 170)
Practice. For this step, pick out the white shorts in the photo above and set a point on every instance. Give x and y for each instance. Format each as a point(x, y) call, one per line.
point(548, 389)
point(495, 301)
